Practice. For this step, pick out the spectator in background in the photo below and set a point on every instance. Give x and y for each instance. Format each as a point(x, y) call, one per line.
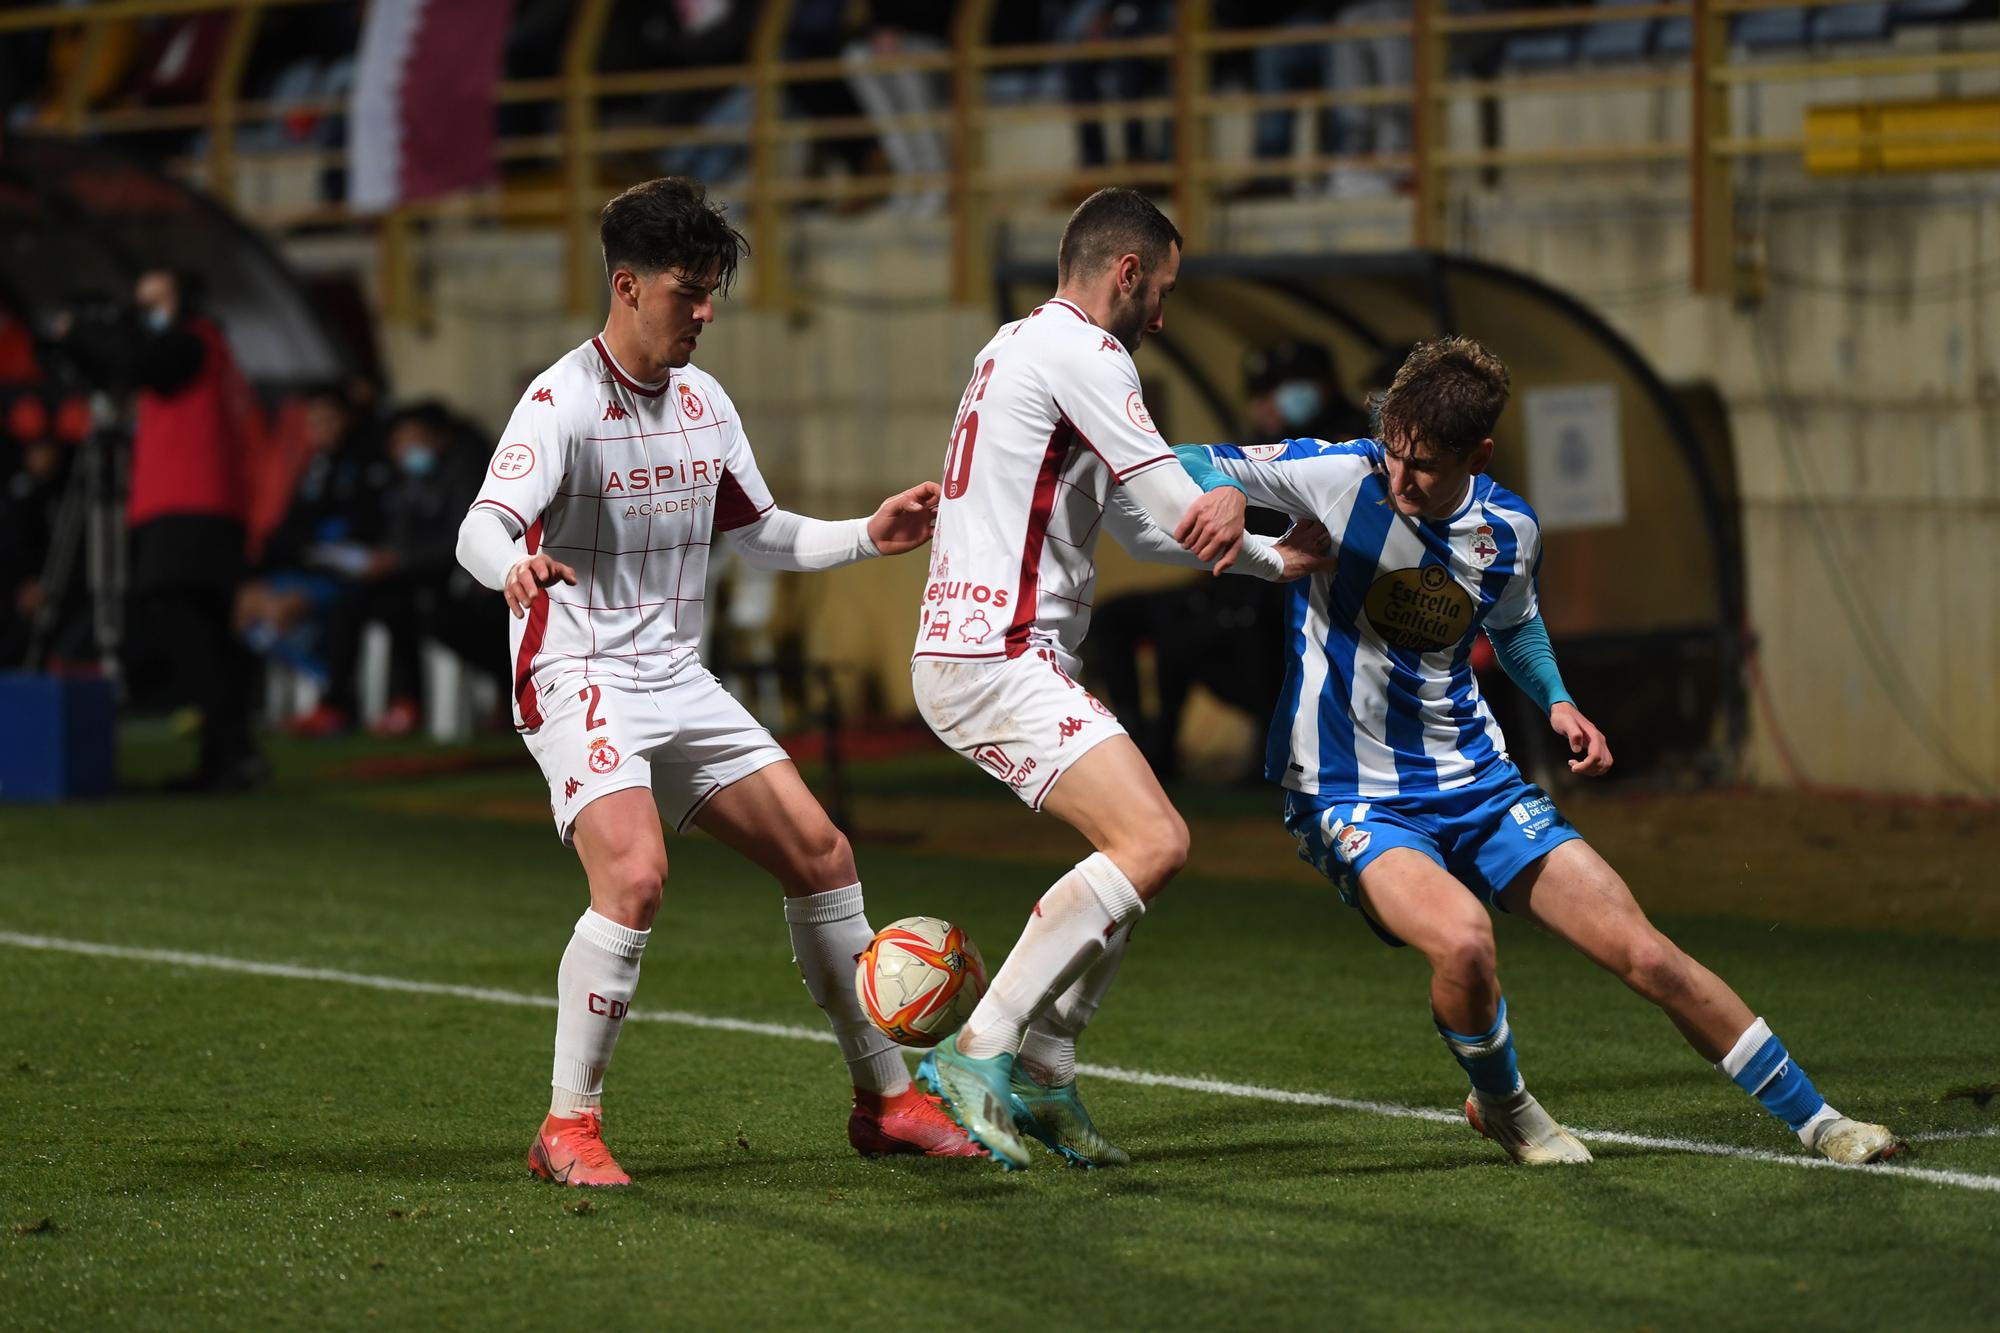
point(409, 580)
point(1345, 65)
point(1088, 82)
point(905, 27)
point(311, 558)
point(1295, 394)
point(195, 434)
point(29, 505)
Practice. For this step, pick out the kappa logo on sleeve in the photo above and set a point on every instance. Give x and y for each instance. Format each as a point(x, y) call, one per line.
point(544, 396)
point(514, 462)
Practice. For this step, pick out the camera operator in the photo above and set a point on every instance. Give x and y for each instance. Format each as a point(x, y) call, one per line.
point(193, 438)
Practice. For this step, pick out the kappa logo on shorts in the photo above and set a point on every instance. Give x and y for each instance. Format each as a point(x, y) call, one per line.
point(570, 789)
point(1069, 727)
point(603, 755)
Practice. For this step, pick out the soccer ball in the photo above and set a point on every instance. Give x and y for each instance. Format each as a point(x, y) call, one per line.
point(919, 979)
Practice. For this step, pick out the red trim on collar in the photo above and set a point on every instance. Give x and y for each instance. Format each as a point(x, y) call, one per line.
point(623, 378)
point(1073, 309)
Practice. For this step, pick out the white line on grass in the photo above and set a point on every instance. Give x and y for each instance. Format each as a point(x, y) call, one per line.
point(291, 972)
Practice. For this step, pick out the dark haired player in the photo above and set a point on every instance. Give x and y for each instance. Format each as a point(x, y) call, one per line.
point(1053, 444)
point(1398, 785)
point(619, 466)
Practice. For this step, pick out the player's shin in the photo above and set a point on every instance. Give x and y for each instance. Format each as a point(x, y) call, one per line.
point(594, 987)
point(1063, 938)
point(829, 932)
point(1048, 1051)
point(1487, 1058)
point(1759, 1064)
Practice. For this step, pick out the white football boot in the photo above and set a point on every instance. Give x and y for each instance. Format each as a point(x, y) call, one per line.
point(1530, 1135)
point(1851, 1142)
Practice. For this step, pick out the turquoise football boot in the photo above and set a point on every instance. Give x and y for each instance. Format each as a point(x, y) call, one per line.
point(977, 1094)
point(1056, 1117)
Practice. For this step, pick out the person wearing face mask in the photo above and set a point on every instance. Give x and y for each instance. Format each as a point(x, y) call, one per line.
point(407, 579)
point(195, 433)
point(1295, 394)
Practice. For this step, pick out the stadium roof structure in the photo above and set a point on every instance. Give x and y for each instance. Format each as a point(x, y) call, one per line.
point(79, 224)
point(1645, 573)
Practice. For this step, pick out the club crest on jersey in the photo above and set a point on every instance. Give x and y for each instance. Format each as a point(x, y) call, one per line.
point(1483, 548)
point(691, 405)
point(513, 462)
point(1418, 610)
point(1135, 408)
point(975, 628)
point(603, 755)
point(1263, 453)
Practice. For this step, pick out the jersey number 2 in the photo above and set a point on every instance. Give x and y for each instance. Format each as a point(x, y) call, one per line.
point(964, 434)
point(593, 695)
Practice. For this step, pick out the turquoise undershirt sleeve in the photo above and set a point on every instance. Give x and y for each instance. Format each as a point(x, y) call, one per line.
point(1529, 660)
point(1195, 462)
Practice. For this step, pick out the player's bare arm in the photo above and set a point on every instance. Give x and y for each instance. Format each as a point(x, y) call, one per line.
point(1584, 739)
point(906, 520)
point(529, 576)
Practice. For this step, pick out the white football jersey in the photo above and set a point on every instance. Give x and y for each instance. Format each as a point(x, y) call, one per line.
point(1052, 418)
point(626, 483)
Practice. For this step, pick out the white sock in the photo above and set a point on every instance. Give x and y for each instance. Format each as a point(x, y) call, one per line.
point(829, 932)
point(1063, 938)
point(1049, 1048)
point(600, 970)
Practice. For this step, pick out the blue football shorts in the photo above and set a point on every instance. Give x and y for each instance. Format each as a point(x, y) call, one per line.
point(1483, 834)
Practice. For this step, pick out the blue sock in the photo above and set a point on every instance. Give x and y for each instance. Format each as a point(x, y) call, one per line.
point(1488, 1059)
point(1761, 1067)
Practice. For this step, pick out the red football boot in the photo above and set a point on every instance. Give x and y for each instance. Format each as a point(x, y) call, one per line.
point(569, 1150)
point(912, 1121)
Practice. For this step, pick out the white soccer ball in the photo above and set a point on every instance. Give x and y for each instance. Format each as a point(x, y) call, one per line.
point(919, 979)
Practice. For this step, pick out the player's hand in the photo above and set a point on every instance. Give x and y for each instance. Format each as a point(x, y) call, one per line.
point(1584, 738)
point(1307, 548)
point(528, 577)
point(1212, 527)
point(906, 520)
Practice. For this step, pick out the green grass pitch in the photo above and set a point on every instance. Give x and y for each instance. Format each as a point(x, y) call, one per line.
point(202, 1148)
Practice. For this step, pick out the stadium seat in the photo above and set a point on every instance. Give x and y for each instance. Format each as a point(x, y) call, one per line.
point(1627, 39)
point(1763, 30)
point(1673, 38)
point(1930, 11)
point(1539, 50)
point(1850, 23)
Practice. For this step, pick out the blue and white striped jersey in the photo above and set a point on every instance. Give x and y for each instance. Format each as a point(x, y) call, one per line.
point(1379, 696)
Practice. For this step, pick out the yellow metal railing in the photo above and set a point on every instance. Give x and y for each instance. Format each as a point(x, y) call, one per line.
point(585, 146)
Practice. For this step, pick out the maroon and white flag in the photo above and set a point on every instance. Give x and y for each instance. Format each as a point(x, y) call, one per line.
point(420, 118)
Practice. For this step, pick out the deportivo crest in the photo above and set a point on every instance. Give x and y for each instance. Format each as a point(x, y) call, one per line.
point(1483, 549)
point(1263, 453)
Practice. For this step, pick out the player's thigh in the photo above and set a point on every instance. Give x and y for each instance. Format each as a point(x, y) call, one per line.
point(1421, 903)
point(1112, 798)
point(1575, 895)
point(624, 853)
point(771, 818)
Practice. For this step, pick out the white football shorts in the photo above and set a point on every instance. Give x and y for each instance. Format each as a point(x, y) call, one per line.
point(686, 741)
point(1022, 719)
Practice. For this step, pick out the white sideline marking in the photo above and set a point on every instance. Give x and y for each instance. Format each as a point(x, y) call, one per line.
point(1395, 1110)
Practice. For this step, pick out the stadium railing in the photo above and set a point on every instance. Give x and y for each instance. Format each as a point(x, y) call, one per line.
point(1703, 48)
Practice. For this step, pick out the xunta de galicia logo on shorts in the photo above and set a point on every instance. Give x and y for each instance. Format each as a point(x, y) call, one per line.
point(603, 755)
point(1419, 610)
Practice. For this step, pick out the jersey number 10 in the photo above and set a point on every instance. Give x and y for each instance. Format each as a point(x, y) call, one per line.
point(964, 434)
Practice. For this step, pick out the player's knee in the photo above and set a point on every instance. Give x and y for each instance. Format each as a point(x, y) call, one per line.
point(1156, 854)
point(825, 860)
point(1653, 965)
point(630, 893)
point(1465, 953)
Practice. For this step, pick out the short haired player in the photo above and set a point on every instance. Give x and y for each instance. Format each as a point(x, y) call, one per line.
point(620, 465)
point(1053, 444)
point(1399, 788)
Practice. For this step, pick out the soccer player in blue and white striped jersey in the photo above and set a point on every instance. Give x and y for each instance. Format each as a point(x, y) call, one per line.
point(1398, 785)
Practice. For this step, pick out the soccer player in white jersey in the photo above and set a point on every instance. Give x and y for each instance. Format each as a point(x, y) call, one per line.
point(1398, 785)
point(1051, 422)
point(620, 465)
